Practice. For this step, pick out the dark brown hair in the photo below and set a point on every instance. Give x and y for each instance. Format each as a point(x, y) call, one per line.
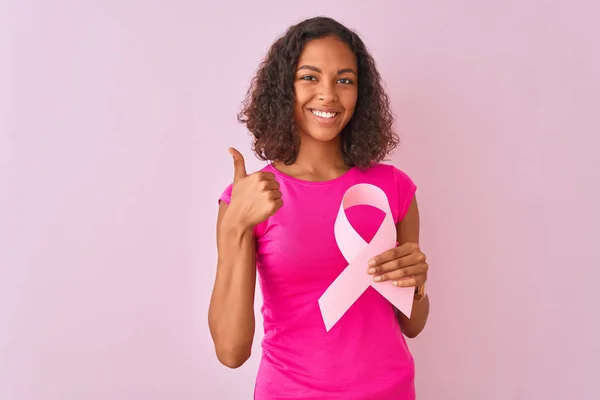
point(268, 109)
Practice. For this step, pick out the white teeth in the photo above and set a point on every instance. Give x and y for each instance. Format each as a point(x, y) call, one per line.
point(324, 114)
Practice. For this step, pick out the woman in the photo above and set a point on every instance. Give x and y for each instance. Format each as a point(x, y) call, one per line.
point(321, 118)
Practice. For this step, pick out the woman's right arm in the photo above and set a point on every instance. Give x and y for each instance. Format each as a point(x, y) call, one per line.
point(254, 199)
point(231, 312)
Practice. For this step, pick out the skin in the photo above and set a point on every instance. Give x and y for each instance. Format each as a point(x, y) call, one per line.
point(325, 80)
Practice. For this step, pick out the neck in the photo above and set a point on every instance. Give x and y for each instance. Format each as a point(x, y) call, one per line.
point(316, 160)
point(320, 156)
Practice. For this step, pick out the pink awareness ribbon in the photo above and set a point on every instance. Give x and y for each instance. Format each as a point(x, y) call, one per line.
point(354, 279)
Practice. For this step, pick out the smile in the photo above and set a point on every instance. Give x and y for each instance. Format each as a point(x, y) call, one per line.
point(323, 114)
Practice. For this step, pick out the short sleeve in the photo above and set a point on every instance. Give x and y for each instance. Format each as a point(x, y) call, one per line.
point(226, 195)
point(406, 190)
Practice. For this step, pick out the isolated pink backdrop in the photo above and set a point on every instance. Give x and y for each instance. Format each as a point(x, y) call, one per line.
point(115, 122)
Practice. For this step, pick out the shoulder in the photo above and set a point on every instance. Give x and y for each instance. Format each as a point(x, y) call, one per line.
point(399, 186)
point(389, 172)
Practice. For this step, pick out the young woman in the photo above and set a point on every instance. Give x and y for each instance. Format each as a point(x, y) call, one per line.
point(321, 118)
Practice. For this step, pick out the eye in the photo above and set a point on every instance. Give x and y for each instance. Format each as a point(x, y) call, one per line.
point(308, 78)
point(345, 81)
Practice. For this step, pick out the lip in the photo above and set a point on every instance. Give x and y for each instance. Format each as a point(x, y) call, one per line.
point(331, 110)
point(324, 121)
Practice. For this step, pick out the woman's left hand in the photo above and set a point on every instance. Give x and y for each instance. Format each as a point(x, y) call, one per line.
point(404, 265)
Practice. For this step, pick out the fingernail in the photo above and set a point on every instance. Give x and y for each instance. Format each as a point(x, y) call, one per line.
point(377, 278)
point(371, 270)
point(372, 263)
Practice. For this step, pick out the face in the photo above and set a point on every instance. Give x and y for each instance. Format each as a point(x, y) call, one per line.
point(326, 87)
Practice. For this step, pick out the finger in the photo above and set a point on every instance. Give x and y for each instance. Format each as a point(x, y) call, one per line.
point(278, 203)
point(268, 176)
point(410, 282)
point(396, 252)
point(271, 185)
point(239, 166)
point(274, 194)
point(402, 273)
point(396, 263)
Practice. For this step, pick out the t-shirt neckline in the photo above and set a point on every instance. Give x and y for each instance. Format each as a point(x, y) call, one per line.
point(346, 174)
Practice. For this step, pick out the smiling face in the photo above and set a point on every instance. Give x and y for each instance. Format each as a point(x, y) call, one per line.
point(326, 88)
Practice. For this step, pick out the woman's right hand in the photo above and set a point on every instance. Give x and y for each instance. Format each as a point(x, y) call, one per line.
point(254, 197)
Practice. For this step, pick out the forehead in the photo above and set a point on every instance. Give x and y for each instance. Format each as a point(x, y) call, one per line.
point(329, 52)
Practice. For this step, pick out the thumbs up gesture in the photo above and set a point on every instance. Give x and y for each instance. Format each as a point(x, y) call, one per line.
point(254, 197)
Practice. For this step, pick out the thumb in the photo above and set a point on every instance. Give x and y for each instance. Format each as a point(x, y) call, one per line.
point(239, 166)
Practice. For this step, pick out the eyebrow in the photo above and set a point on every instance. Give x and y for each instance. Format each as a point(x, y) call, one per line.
point(340, 71)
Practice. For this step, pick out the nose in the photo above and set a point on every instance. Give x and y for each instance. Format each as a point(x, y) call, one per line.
point(326, 92)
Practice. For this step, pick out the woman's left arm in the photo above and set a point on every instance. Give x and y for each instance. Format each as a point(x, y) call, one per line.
point(408, 233)
point(406, 265)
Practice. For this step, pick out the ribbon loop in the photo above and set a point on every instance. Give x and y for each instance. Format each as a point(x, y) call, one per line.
point(354, 279)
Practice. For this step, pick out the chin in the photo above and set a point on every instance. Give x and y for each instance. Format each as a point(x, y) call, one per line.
point(322, 135)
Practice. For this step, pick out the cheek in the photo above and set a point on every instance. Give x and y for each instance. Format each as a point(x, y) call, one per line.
point(349, 103)
point(299, 102)
point(302, 95)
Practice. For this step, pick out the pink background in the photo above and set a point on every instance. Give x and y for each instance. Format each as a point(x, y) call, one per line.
point(115, 122)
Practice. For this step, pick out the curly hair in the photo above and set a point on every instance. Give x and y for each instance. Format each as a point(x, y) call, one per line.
point(268, 109)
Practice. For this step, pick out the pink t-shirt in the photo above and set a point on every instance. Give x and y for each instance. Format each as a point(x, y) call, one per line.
point(364, 356)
